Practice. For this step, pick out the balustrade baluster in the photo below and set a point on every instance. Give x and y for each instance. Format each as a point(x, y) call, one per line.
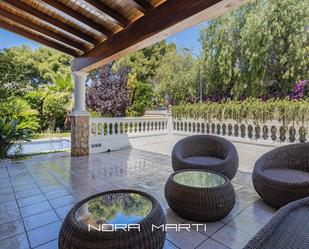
point(107, 128)
point(94, 129)
point(282, 133)
point(277, 133)
point(218, 125)
point(246, 125)
point(111, 129)
point(269, 127)
point(297, 134)
point(101, 126)
point(115, 128)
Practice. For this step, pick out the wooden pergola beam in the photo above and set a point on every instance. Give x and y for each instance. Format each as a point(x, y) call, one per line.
point(39, 39)
point(168, 18)
point(142, 5)
point(78, 16)
point(118, 18)
point(38, 14)
point(40, 29)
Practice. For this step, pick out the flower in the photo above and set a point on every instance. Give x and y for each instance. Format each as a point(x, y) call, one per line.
point(299, 89)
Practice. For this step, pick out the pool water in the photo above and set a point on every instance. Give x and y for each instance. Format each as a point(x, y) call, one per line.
point(42, 146)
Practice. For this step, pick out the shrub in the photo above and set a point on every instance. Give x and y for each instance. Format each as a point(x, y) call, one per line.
point(285, 110)
point(141, 99)
point(55, 108)
point(108, 95)
point(19, 109)
point(300, 89)
point(12, 131)
point(36, 99)
point(17, 123)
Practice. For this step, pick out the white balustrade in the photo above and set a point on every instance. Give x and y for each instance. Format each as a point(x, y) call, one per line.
point(265, 133)
point(114, 133)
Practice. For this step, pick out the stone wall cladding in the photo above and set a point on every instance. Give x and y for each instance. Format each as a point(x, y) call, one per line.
point(79, 135)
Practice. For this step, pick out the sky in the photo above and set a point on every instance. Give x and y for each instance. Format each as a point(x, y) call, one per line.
point(185, 39)
point(9, 39)
point(188, 38)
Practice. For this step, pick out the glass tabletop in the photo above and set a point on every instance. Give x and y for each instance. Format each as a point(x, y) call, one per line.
point(111, 209)
point(199, 179)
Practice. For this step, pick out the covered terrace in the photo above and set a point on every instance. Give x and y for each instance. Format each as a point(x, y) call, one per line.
point(98, 32)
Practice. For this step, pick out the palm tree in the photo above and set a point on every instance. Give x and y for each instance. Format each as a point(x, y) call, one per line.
point(62, 82)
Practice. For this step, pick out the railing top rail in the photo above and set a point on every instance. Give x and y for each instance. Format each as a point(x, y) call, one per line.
point(233, 121)
point(129, 119)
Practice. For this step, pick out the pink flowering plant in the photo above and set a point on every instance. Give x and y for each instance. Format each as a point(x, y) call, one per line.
point(300, 90)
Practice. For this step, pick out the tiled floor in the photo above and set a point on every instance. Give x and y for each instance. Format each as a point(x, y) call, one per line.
point(36, 194)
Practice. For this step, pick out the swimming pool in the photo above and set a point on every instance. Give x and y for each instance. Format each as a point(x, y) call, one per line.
point(40, 146)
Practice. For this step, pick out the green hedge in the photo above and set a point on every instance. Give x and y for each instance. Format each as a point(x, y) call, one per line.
point(285, 110)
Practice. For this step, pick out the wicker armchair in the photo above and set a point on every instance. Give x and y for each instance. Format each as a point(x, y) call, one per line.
point(289, 228)
point(206, 152)
point(282, 175)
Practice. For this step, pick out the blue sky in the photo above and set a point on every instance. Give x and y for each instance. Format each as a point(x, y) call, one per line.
point(185, 39)
point(9, 39)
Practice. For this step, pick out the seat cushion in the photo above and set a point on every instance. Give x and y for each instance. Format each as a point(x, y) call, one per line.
point(206, 160)
point(287, 175)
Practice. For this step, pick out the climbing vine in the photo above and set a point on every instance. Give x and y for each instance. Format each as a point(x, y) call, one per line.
point(286, 110)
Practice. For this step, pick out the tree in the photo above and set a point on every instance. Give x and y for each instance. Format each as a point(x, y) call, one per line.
point(220, 41)
point(144, 63)
point(107, 94)
point(23, 69)
point(258, 49)
point(62, 82)
point(142, 98)
point(17, 71)
point(36, 100)
point(177, 76)
point(51, 62)
point(276, 44)
point(55, 108)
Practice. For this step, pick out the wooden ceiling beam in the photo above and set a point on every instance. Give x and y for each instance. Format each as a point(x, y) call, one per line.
point(118, 18)
point(168, 18)
point(78, 16)
point(40, 29)
point(37, 38)
point(142, 5)
point(46, 18)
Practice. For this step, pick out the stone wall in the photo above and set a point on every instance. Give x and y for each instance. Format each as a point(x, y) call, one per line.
point(79, 135)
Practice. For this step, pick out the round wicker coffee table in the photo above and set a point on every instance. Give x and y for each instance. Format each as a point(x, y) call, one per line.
point(119, 219)
point(199, 195)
